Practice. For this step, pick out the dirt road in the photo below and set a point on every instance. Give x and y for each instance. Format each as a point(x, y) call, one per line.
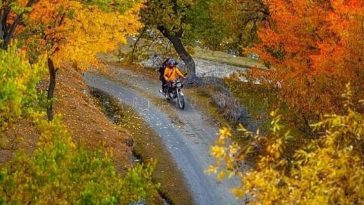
point(188, 141)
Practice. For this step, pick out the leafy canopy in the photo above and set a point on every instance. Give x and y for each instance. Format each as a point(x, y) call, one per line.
point(167, 13)
point(314, 48)
point(239, 21)
point(72, 32)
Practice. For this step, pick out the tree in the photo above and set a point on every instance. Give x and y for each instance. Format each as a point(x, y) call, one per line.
point(73, 32)
point(314, 48)
point(291, 169)
point(203, 27)
point(214, 24)
point(239, 21)
point(170, 18)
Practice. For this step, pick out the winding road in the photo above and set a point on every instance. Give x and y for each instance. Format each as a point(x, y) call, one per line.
point(188, 142)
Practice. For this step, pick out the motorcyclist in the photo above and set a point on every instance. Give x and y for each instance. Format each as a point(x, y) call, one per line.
point(171, 73)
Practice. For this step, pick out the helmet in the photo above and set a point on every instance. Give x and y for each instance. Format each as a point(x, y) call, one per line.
point(171, 62)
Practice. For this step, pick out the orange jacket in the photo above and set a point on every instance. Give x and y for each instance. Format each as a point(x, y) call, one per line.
point(171, 74)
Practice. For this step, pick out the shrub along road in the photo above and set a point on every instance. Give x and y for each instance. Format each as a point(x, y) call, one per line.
point(188, 141)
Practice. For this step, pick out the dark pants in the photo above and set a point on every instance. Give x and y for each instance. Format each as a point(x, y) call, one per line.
point(164, 84)
point(168, 86)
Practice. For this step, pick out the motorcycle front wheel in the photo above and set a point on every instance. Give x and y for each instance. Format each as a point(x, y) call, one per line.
point(180, 101)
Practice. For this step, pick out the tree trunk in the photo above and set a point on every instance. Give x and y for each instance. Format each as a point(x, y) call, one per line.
point(7, 31)
point(184, 55)
point(3, 25)
point(176, 41)
point(51, 87)
point(11, 31)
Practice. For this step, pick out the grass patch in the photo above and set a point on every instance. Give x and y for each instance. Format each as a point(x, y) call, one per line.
point(221, 57)
point(147, 146)
point(258, 99)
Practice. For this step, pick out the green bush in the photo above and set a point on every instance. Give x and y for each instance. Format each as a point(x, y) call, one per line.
point(61, 172)
point(18, 94)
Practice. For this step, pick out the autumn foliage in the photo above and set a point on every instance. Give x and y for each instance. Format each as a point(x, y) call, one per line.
point(60, 32)
point(74, 32)
point(314, 49)
point(327, 169)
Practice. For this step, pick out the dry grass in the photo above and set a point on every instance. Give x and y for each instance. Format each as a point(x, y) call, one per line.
point(202, 99)
point(22, 135)
point(222, 57)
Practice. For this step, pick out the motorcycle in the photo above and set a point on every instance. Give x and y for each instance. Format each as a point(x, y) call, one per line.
point(174, 91)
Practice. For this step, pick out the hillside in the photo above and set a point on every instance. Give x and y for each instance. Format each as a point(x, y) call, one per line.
point(82, 116)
